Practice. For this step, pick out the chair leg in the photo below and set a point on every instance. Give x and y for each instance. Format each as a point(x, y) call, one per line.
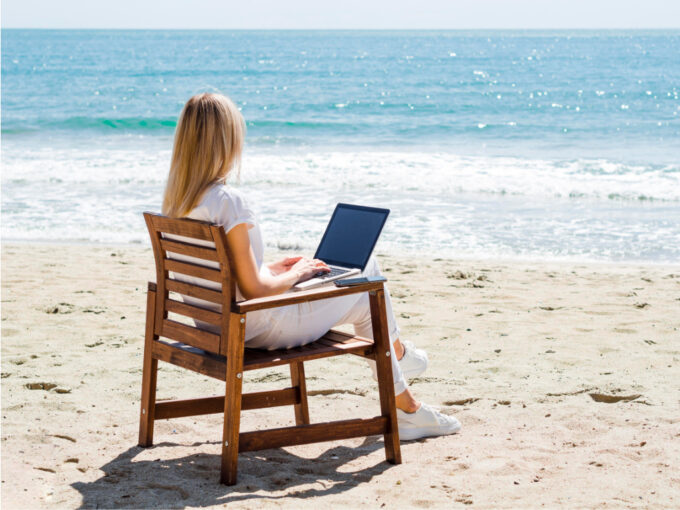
point(232, 400)
point(385, 379)
point(149, 374)
point(297, 377)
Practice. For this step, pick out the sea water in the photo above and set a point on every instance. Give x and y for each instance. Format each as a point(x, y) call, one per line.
point(513, 144)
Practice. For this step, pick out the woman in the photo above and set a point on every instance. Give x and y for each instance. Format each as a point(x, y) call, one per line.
point(208, 144)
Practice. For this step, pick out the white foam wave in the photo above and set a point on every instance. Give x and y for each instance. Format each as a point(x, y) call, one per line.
point(438, 173)
point(442, 203)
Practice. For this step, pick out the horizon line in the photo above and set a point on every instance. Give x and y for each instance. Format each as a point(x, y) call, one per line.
point(350, 29)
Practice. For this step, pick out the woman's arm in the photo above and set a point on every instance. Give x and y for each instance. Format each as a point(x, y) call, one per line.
point(251, 282)
point(283, 265)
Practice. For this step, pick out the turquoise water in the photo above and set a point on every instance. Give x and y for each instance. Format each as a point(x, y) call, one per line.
point(498, 143)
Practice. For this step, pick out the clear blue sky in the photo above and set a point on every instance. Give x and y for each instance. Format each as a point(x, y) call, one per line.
point(330, 14)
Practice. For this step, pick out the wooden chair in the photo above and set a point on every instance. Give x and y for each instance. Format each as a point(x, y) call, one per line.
point(224, 356)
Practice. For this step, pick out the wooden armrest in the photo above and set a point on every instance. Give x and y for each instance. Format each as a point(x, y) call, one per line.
point(293, 298)
point(152, 286)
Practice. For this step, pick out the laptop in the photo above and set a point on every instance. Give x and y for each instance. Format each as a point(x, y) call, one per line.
point(348, 242)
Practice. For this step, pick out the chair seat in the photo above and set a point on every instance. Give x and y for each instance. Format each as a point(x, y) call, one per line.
point(333, 343)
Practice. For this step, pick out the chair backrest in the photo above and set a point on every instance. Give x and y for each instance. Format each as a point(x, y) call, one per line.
point(197, 255)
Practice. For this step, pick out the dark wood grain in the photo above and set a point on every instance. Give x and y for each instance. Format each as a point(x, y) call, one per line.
point(232, 405)
point(292, 298)
point(185, 227)
point(207, 273)
point(228, 284)
point(200, 363)
point(297, 377)
point(161, 274)
point(201, 252)
point(194, 312)
point(149, 374)
point(305, 434)
point(190, 335)
point(315, 350)
point(385, 380)
point(195, 291)
point(212, 405)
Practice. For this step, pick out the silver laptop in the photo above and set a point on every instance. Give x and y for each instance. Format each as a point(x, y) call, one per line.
point(348, 242)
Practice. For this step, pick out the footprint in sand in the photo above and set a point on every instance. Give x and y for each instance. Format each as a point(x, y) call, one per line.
point(613, 399)
point(459, 275)
point(62, 436)
point(461, 402)
point(40, 386)
point(95, 310)
point(474, 285)
point(60, 308)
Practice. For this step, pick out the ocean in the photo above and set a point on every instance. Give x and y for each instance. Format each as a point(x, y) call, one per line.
point(549, 145)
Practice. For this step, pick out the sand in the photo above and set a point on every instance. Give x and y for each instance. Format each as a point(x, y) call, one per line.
point(566, 378)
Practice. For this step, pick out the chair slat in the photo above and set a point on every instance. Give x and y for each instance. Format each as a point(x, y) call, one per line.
point(292, 298)
point(340, 337)
point(343, 346)
point(214, 405)
point(183, 227)
point(200, 363)
point(201, 252)
point(191, 336)
point(255, 359)
point(304, 434)
point(196, 291)
point(186, 268)
point(193, 312)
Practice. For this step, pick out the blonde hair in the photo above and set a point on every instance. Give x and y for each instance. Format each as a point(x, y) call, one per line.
point(208, 144)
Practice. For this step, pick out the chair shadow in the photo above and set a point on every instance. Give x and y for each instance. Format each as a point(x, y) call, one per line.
point(128, 483)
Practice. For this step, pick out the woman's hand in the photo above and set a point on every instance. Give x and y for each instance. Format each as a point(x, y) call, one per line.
point(251, 282)
point(283, 265)
point(307, 268)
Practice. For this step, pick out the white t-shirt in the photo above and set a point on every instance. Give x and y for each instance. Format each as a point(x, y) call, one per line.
point(223, 205)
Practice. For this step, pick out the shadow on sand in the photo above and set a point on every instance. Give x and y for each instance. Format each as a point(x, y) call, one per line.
point(194, 480)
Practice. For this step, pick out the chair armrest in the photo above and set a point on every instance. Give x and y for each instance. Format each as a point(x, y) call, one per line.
point(293, 298)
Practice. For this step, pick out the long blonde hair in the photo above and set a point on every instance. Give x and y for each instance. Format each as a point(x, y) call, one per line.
point(208, 144)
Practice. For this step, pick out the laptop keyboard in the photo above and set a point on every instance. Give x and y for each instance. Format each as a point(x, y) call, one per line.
point(334, 272)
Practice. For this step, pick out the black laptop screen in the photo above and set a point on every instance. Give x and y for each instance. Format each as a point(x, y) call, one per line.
point(351, 235)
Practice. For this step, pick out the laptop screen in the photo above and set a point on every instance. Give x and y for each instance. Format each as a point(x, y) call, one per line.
point(351, 235)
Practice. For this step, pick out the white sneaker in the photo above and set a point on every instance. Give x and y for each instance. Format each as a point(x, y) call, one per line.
point(414, 362)
point(425, 422)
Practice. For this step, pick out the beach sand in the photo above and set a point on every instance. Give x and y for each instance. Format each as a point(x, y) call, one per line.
point(565, 376)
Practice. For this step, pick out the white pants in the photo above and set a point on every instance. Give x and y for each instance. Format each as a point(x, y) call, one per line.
point(296, 325)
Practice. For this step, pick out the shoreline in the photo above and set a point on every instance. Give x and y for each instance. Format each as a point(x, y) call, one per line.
point(271, 250)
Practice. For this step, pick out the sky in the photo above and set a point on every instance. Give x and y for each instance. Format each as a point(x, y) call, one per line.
point(341, 14)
